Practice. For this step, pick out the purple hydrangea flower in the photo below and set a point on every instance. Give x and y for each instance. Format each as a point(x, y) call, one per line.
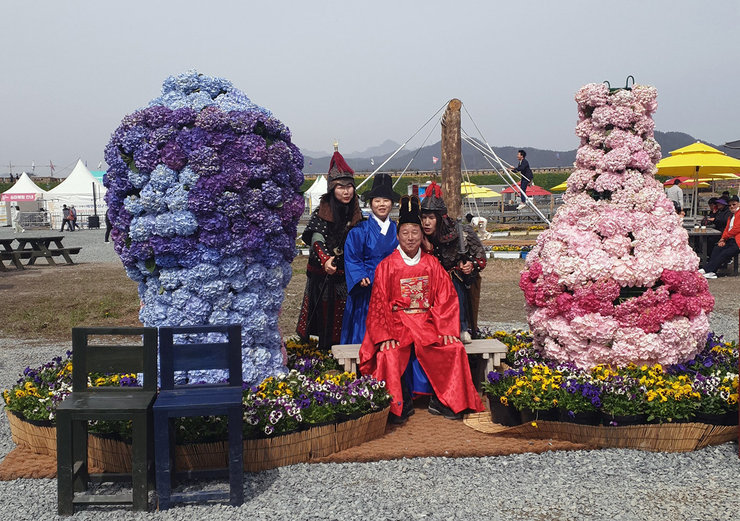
point(203, 198)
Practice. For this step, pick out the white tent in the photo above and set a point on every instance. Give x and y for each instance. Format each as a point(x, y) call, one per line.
point(77, 190)
point(314, 193)
point(23, 190)
point(24, 193)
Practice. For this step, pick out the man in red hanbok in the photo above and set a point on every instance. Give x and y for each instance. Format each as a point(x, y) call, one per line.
point(414, 309)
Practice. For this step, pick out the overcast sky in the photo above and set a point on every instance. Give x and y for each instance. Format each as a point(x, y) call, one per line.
point(361, 72)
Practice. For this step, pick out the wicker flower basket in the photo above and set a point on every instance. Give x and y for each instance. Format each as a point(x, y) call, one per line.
point(41, 439)
point(357, 431)
point(111, 455)
point(666, 437)
point(108, 454)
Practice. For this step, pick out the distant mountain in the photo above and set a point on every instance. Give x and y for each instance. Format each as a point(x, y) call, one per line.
point(383, 150)
point(473, 159)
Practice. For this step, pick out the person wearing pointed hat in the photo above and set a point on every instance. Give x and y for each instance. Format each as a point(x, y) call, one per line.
point(367, 244)
point(463, 259)
point(326, 290)
point(413, 311)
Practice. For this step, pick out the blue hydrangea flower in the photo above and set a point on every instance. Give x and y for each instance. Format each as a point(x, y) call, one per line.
point(203, 196)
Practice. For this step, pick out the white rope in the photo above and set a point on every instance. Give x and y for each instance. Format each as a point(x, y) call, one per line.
point(474, 202)
point(504, 172)
point(400, 148)
point(417, 152)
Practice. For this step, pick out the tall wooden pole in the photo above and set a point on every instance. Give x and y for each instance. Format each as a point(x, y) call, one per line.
point(451, 159)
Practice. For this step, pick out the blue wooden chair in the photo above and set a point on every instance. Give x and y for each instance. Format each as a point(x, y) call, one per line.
point(198, 400)
point(106, 403)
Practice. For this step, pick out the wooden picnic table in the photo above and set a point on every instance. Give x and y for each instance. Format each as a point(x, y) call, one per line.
point(32, 248)
point(699, 239)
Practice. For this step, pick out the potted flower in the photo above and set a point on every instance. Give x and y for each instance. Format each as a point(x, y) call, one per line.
point(718, 402)
point(506, 252)
point(668, 398)
point(579, 402)
point(496, 386)
point(535, 393)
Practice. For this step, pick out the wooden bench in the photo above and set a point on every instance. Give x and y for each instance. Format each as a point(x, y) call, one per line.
point(491, 350)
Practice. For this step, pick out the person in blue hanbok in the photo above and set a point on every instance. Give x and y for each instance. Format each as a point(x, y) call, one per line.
point(368, 243)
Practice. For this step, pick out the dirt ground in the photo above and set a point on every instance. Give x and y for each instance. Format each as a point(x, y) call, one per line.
point(43, 302)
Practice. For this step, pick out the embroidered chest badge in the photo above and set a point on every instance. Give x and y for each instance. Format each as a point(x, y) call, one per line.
point(416, 289)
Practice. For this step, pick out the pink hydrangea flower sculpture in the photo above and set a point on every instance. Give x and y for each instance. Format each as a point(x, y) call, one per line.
point(613, 280)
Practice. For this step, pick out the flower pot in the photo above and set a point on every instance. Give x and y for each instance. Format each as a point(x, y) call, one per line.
point(728, 418)
point(581, 418)
point(507, 415)
point(524, 254)
point(619, 420)
point(507, 254)
point(530, 415)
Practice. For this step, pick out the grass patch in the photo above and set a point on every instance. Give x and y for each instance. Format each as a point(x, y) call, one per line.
point(49, 302)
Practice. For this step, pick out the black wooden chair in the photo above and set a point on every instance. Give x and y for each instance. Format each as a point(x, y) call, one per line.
point(198, 400)
point(106, 403)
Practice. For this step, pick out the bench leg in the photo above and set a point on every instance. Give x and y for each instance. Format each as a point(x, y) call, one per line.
point(489, 363)
point(139, 463)
point(236, 455)
point(162, 459)
point(65, 492)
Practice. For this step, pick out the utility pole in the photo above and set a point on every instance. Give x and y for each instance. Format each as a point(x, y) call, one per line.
point(452, 158)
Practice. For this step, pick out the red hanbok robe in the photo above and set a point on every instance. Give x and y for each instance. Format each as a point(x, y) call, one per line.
point(417, 305)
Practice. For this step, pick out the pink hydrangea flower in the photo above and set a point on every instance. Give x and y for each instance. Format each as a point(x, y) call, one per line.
point(614, 280)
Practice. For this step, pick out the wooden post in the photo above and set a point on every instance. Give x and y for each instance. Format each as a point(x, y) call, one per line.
point(451, 159)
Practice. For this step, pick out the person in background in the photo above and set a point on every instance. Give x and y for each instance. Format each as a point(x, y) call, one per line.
point(717, 218)
point(726, 247)
point(718, 215)
point(108, 227)
point(326, 289)
point(16, 216)
point(680, 211)
point(65, 219)
point(367, 244)
point(413, 312)
point(73, 218)
point(463, 258)
point(527, 176)
point(674, 192)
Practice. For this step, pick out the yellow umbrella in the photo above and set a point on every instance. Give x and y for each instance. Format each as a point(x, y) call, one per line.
point(717, 177)
point(690, 184)
point(468, 189)
point(560, 188)
point(698, 161)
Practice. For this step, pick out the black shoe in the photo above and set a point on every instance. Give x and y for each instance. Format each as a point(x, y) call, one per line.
point(397, 420)
point(439, 409)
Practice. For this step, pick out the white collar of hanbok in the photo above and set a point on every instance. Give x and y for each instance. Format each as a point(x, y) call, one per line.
point(410, 261)
point(384, 225)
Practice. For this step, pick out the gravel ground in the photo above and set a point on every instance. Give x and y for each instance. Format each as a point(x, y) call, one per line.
point(605, 484)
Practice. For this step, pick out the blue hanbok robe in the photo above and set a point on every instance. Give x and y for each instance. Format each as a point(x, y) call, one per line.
point(364, 248)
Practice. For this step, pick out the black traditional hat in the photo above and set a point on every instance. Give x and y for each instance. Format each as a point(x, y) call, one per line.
point(339, 170)
point(382, 187)
point(409, 210)
point(433, 201)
